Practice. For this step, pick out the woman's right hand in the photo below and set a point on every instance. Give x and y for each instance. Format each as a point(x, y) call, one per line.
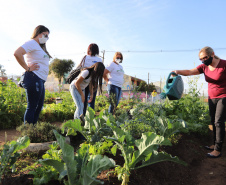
point(173, 73)
point(106, 80)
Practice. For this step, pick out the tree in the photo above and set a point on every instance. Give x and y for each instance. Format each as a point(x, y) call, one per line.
point(143, 86)
point(150, 87)
point(2, 71)
point(60, 67)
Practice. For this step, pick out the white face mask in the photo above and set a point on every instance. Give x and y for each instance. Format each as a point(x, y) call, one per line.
point(118, 61)
point(43, 39)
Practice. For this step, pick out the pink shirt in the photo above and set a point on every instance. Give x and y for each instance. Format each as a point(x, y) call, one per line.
point(216, 79)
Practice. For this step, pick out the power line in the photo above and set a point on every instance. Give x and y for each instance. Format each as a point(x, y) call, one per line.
point(146, 68)
point(131, 51)
point(164, 51)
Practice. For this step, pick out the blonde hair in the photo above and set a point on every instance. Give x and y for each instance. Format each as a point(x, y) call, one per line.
point(117, 53)
point(208, 50)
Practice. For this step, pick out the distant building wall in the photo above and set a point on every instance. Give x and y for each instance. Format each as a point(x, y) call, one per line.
point(51, 83)
point(127, 85)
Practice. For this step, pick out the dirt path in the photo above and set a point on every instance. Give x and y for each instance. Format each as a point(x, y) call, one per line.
point(8, 135)
point(212, 171)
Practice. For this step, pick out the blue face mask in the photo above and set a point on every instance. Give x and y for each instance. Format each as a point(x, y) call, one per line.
point(208, 61)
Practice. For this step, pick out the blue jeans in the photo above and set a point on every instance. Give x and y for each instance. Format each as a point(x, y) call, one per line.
point(87, 97)
point(35, 92)
point(114, 92)
point(78, 101)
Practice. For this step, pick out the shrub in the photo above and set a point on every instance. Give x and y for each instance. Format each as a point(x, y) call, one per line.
point(38, 133)
point(12, 106)
point(101, 103)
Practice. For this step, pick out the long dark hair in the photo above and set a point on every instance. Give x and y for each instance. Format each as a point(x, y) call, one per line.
point(40, 29)
point(94, 49)
point(97, 71)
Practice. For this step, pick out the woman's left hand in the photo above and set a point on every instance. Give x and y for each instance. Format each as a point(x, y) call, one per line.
point(90, 99)
point(34, 67)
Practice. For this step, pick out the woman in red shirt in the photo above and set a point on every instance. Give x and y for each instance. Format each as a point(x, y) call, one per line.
point(214, 70)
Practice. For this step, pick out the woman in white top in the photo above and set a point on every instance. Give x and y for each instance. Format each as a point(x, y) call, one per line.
point(115, 80)
point(90, 59)
point(89, 77)
point(36, 71)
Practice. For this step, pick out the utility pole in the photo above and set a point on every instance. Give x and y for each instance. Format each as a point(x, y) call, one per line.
point(160, 85)
point(103, 55)
point(148, 78)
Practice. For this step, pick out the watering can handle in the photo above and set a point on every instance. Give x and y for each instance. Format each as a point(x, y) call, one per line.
point(169, 77)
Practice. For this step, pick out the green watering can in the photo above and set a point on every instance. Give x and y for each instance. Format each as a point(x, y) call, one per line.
point(174, 87)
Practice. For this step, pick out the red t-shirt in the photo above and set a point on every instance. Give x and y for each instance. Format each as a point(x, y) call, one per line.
point(216, 79)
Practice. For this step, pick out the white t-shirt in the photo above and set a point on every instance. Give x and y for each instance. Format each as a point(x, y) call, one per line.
point(85, 82)
point(116, 75)
point(35, 54)
point(90, 60)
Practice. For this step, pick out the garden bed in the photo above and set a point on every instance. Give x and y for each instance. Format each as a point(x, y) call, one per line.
point(200, 169)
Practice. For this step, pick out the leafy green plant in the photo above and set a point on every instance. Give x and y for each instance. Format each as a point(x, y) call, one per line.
point(100, 148)
point(10, 154)
point(44, 173)
point(101, 103)
point(166, 127)
point(81, 168)
point(138, 153)
point(49, 97)
point(94, 129)
point(190, 108)
point(38, 133)
point(12, 106)
point(152, 118)
point(112, 101)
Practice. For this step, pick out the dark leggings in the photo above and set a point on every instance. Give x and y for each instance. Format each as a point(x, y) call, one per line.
point(217, 110)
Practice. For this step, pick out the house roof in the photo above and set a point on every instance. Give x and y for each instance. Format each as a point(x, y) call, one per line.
point(136, 79)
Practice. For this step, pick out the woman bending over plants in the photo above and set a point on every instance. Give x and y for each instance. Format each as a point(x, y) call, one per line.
point(90, 76)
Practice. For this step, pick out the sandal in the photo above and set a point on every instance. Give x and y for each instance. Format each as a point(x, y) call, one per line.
point(208, 148)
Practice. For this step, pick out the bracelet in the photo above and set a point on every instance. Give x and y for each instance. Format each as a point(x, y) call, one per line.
point(28, 69)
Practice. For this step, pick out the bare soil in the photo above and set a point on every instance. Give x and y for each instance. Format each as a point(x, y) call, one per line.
point(200, 170)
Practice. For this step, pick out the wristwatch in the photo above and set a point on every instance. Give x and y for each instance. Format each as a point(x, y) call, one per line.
point(28, 69)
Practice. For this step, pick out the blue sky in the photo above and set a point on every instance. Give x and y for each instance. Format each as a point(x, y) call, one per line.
point(139, 29)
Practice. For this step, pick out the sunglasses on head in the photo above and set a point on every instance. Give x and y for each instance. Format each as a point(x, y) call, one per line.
point(204, 58)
